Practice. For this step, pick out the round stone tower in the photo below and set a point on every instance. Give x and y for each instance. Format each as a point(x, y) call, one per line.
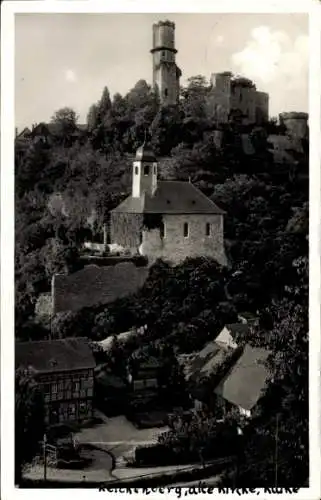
point(295, 123)
point(166, 74)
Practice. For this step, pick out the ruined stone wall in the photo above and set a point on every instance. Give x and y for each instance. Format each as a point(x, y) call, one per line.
point(244, 99)
point(218, 102)
point(262, 107)
point(126, 229)
point(175, 247)
point(296, 124)
point(95, 285)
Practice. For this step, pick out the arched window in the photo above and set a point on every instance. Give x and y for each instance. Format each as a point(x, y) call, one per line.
point(166, 92)
point(185, 230)
point(208, 229)
point(154, 169)
point(136, 170)
point(146, 170)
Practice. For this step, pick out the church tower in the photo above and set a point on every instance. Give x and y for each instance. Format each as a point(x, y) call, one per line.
point(144, 173)
point(166, 74)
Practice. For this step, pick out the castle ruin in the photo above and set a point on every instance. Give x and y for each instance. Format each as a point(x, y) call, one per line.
point(166, 73)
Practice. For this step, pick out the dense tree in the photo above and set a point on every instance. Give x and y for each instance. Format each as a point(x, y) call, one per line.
point(92, 117)
point(65, 120)
point(29, 419)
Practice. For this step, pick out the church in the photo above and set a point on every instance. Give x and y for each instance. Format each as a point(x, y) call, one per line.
point(170, 220)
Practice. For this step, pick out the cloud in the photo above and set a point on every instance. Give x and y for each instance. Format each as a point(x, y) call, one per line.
point(271, 56)
point(70, 76)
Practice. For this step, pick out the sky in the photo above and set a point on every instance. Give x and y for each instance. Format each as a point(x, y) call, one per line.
point(67, 59)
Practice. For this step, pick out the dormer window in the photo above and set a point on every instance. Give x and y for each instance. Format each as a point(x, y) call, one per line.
point(146, 170)
point(136, 170)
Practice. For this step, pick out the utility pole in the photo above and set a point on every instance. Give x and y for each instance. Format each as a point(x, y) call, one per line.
point(276, 450)
point(44, 457)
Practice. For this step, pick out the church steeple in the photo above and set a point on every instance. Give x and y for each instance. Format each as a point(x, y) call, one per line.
point(144, 172)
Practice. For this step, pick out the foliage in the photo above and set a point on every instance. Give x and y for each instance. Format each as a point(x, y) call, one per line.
point(65, 189)
point(29, 419)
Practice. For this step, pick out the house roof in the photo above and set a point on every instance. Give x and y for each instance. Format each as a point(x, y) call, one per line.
point(205, 362)
point(236, 329)
point(24, 133)
point(55, 355)
point(53, 128)
point(171, 197)
point(244, 383)
point(238, 332)
point(248, 316)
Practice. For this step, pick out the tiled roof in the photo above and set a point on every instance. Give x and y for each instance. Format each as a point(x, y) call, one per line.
point(55, 355)
point(204, 363)
point(244, 383)
point(171, 197)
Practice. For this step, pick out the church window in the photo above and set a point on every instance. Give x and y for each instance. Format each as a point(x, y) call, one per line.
point(136, 170)
point(166, 92)
point(208, 229)
point(154, 169)
point(162, 230)
point(163, 53)
point(185, 230)
point(146, 170)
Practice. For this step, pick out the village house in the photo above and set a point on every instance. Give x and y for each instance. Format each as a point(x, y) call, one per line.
point(233, 335)
point(64, 370)
point(205, 368)
point(247, 318)
point(48, 132)
point(244, 384)
point(143, 377)
point(171, 220)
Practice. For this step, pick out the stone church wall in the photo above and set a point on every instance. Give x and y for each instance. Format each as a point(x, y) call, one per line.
point(95, 285)
point(125, 229)
point(175, 247)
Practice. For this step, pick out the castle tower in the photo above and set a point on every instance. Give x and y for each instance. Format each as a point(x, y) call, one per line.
point(166, 74)
point(144, 173)
point(296, 123)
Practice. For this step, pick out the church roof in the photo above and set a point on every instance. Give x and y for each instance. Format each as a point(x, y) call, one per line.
point(145, 154)
point(171, 197)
